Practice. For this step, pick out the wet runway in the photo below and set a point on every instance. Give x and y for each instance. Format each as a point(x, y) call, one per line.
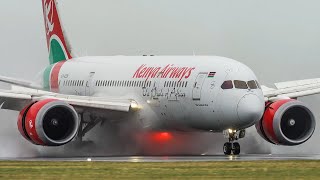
point(175, 158)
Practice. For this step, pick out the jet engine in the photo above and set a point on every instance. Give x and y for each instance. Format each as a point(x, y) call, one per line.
point(48, 123)
point(286, 122)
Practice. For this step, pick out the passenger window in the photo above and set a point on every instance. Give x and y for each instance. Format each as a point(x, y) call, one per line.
point(240, 84)
point(252, 85)
point(227, 85)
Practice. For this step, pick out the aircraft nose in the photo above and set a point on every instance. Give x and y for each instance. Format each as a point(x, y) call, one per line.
point(250, 109)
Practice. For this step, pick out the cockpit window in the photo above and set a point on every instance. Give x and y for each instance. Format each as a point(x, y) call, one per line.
point(258, 85)
point(252, 84)
point(240, 84)
point(227, 85)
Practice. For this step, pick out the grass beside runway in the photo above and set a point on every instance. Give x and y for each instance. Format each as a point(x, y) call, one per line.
point(179, 170)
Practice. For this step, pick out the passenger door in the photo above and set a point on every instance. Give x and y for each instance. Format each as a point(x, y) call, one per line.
point(89, 84)
point(197, 87)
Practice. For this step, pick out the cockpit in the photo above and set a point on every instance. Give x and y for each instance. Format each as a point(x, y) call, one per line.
point(238, 84)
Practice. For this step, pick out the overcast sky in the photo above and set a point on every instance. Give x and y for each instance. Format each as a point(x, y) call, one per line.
point(279, 40)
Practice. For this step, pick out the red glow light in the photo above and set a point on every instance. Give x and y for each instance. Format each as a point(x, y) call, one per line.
point(162, 136)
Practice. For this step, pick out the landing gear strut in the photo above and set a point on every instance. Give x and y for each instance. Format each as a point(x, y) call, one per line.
point(86, 124)
point(232, 147)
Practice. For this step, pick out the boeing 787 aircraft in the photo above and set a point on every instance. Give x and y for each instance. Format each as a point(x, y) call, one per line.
point(167, 93)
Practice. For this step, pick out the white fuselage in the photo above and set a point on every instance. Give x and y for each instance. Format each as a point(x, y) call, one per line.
point(173, 92)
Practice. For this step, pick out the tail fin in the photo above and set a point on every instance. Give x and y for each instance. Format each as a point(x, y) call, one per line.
point(58, 48)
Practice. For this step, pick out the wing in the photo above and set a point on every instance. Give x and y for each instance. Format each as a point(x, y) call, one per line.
point(292, 89)
point(17, 98)
point(19, 82)
point(26, 92)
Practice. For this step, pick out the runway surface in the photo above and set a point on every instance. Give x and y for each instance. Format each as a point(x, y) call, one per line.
point(175, 158)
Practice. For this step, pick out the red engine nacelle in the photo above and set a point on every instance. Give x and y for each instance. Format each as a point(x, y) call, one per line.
point(48, 123)
point(286, 122)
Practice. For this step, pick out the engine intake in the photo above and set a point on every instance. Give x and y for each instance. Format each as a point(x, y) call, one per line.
point(48, 123)
point(287, 122)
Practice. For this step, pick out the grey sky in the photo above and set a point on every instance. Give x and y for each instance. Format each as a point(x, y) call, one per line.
point(269, 36)
point(279, 40)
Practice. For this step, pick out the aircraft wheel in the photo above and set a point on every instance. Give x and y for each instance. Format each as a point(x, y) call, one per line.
point(236, 150)
point(227, 148)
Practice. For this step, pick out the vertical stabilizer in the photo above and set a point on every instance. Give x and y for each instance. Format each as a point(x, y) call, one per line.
point(58, 47)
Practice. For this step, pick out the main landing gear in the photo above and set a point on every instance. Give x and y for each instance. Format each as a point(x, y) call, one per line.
point(231, 147)
point(86, 124)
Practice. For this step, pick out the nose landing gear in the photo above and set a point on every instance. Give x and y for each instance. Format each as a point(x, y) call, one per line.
point(231, 147)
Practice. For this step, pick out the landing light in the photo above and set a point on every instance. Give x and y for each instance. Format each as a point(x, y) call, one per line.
point(134, 105)
point(232, 131)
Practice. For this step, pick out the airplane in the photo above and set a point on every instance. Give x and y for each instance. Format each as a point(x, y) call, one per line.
point(160, 93)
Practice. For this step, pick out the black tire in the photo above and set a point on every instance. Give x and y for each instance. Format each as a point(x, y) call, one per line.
point(227, 148)
point(242, 134)
point(236, 150)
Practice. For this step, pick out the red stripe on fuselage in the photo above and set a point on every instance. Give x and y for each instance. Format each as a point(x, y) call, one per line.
point(54, 80)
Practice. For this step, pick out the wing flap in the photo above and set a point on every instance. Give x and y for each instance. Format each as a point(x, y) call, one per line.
point(290, 84)
point(16, 100)
point(292, 89)
point(91, 102)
